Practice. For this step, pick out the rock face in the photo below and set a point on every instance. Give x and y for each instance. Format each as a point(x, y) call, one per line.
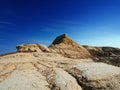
point(68, 48)
point(36, 72)
point(32, 48)
point(65, 65)
point(47, 71)
point(62, 45)
point(108, 55)
point(61, 80)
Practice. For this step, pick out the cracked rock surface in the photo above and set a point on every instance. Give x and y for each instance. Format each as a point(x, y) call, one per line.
point(64, 65)
point(49, 71)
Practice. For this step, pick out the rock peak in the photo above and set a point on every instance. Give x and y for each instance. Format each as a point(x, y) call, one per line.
point(65, 46)
point(64, 38)
point(64, 35)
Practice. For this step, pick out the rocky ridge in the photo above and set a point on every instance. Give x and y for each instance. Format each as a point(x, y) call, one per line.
point(109, 55)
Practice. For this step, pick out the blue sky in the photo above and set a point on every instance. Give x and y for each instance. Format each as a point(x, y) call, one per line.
point(89, 22)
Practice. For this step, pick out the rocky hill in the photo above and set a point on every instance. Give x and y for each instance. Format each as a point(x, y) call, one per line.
point(65, 46)
point(64, 65)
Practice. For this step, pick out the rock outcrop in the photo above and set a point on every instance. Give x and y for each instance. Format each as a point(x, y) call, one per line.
point(96, 76)
point(108, 55)
point(61, 80)
point(47, 71)
point(32, 48)
point(67, 47)
point(65, 65)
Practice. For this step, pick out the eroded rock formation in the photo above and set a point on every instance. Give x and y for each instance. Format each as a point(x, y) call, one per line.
point(32, 48)
point(68, 48)
point(108, 55)
point(65, 65)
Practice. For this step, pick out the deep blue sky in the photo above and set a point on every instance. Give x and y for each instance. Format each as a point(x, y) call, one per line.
point(89, 22)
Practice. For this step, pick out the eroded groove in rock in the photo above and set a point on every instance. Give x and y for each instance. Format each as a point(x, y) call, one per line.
point(57, 78)
point(6, 70)
point(61, 80)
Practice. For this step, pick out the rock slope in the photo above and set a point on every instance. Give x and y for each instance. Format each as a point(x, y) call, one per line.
point(108, 55)
point(47, 71)
point(65, 46)
point(96, 76)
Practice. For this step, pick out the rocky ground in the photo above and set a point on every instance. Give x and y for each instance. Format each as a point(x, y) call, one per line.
point(47, 71)
point(109, 55)
point(37, 67)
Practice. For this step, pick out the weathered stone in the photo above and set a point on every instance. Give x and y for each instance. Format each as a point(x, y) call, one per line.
point(67, 47)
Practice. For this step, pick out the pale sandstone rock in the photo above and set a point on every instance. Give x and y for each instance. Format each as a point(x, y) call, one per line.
point(61, 80)
point(25, 80)
point(96, 76)
point(43, 48)
point(24, 72)
point(65, 81)
point(28, 48)
point(24, 66)
point(36, 67)
point(65, 46)
point(32, 48)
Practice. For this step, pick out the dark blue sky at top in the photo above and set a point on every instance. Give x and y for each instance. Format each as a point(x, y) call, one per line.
point(90, 22)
